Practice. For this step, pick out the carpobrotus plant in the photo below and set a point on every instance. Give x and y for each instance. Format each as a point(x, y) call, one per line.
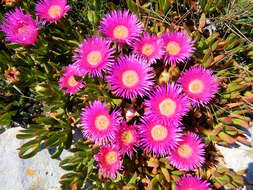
point(132, 76)
point(52, 10)
point(19, 27)
point(150, 99)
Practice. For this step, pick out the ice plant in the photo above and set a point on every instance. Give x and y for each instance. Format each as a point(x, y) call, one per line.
point(149, 47)
point(192, 183)
point(20, 28)
point(121, 26)
point(130, 77)
point(94, 55)
point(98, 124)
point(126, 139)
point(189, 154)
point(199, 84)
point(167, 104)
point(51, 10)
point(10, 2)
point(68, 80)
point(178, 47)
point(109, 161)
point(158, 138)
point(12, 74)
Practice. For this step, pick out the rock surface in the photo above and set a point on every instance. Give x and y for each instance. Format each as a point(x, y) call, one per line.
point(43, 173)
point(37, 173)
point(239, 157)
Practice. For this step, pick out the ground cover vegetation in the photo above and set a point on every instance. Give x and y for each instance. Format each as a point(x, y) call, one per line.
point(151, 86)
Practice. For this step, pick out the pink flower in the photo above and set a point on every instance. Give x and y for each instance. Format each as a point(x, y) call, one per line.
point(126, 139)
point(130, 77)
point(109, 161)
point(98, 124)
point(178, 46)
point(68, 80)
point(20, 28)
point(157, 137)
point(189, 154)
point(123, 27)
point(94, 56)
point(192, 183)
point(167, 104)
point(199, 84)
point(52, 10)
point(149, 47)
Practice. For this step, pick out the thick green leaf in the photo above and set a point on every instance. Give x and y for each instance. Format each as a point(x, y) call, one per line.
point(29, 149)
point(5, 119)
point(166, 174)
point(58, 151)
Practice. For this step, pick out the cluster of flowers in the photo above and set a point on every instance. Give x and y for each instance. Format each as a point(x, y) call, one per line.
point(23, 29)
point(161, 132)
point(129, 76)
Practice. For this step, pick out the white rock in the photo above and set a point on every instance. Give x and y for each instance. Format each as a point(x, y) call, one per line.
point(239, 158)
point(37, 173)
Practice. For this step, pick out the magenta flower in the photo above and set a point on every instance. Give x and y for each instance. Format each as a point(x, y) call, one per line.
point(20, 28)
point(192, 183)
point(68, 80)
point(98, 124)
point(109, 161)
point(199, 84)
point(130, 77)
point(94, 56)
point(149, 47)
point(126, 139)
point(52, 10)
point(189, 154)
point(178, 46)
point(158, 138)
point(167, 104)
point(123, 27)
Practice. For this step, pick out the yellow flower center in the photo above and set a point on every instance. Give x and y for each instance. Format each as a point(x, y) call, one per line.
point(54, 11)
point(72, 81)
point(120, 32)
point(111, 157)
point(184, 150)
point(102, 122)
point(159, 132)
point(167, 107)
point(24, 29)
point(127, 137)
point(94, 57)
point(173, 48)
point(130, 78)
point(196, 86)
point(147, 49)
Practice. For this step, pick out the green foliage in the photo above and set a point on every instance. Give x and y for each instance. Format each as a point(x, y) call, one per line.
point(80, 165)
point(225, 177)
point(50, 116)
point(52, 132)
